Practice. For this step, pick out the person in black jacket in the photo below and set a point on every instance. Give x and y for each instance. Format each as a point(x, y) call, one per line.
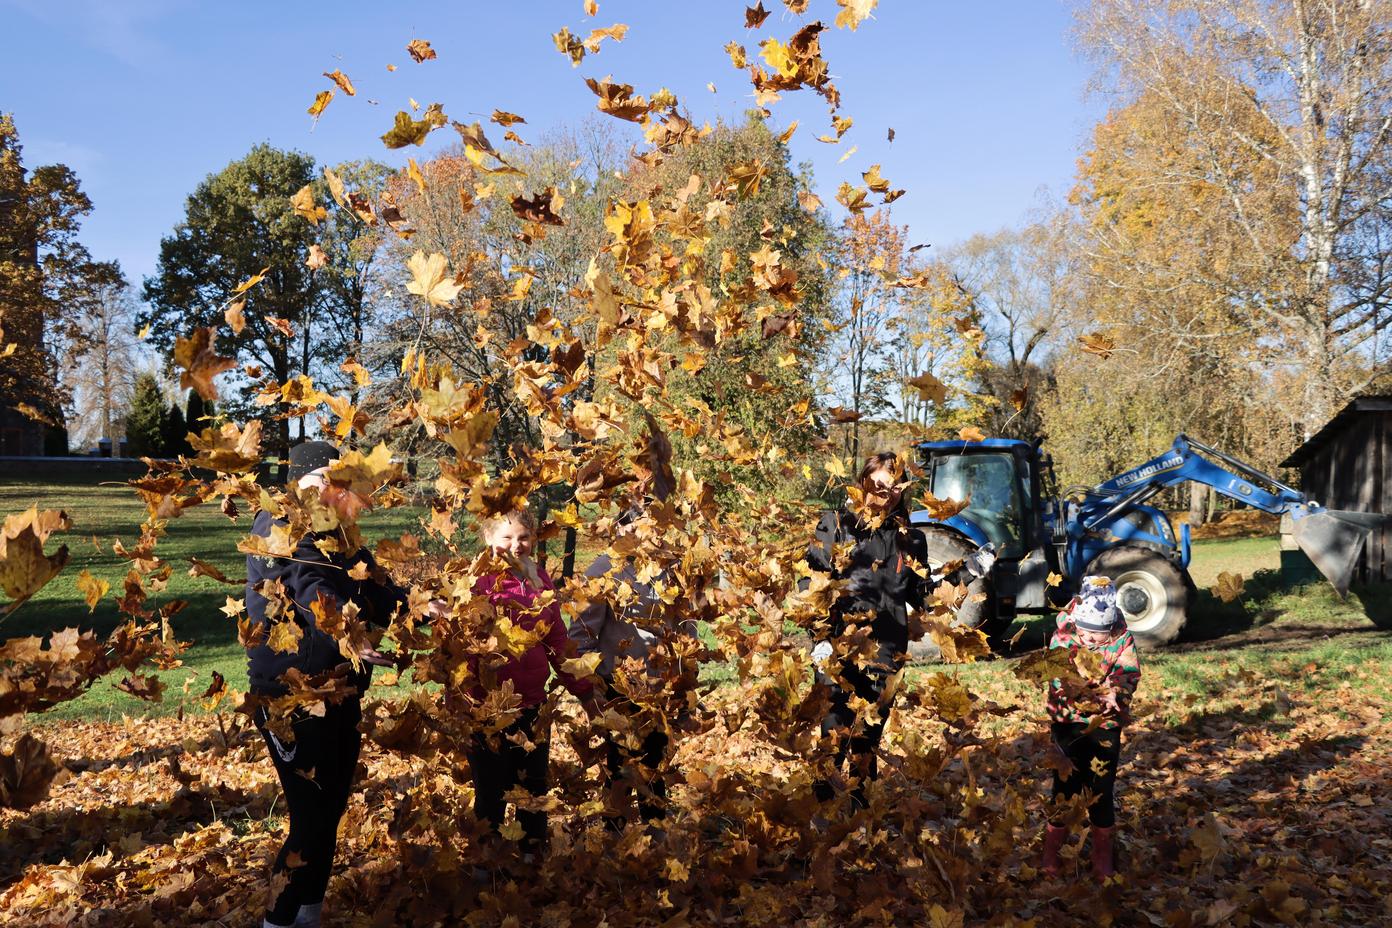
point(316, 768)
point(881, 586)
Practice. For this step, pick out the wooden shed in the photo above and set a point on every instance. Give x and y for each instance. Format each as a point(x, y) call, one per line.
point(1347, 464)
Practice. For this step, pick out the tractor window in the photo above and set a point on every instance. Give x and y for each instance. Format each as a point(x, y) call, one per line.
point(991, 483)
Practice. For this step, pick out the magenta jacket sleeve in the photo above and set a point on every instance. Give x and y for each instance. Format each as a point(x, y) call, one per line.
point(558, 644)
point(558, 648)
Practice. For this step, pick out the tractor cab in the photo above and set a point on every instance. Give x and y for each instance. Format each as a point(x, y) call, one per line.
point(1001, 480)
point(1009, 490)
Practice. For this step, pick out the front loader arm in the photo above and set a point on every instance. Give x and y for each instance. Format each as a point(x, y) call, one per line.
point(1183, 463)
point(1332, 539)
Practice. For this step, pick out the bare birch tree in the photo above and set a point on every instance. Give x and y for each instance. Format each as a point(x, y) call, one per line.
point(102, 359)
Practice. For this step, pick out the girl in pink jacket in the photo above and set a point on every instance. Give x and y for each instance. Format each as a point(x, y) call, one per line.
point(520, 754)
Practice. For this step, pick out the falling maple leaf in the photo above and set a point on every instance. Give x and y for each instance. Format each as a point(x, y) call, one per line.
point(930, 388)
point(341, 79)
point(940, 510)
point(874, 181)
point(1098, 344)
point(597, 36)
point(431, 280)
point(853, 198)
point(250, 282)
point(853, 13)
point(199, 361)
point(420, 50)
point(321, 100)
point(618, 100)
point(303, 203)
point(540, 208)
point(754, 16)
point(407, 131)
point(235, 317)
point(336, 189)
point(92, 589)
point(841, 414)
point(1228, 587)
point(24, 567)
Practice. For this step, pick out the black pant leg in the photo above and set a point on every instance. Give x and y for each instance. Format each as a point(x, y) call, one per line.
point(1094, 756)
point(491, 766)
point(839, 718)
point(1068, 736)
point(302, 862)
point(859, 737)
point(533, 773)
point(1106, 751)
point(626, 778)
point(335, 778)
point(652, 794)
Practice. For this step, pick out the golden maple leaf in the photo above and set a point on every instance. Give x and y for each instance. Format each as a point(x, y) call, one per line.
point(430, 279)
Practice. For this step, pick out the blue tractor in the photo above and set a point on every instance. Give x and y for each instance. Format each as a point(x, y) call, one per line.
point(1014, 506)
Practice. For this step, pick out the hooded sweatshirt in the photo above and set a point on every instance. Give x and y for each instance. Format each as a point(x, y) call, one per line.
point(631, 631)
point(519, 601)
point(880, 576)
point(305, 575)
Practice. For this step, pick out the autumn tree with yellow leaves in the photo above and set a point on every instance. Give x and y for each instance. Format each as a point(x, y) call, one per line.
point(1237, 193)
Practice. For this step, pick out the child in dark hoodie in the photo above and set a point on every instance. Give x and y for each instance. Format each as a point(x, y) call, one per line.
point(1087, 729)
point(519, 755)
point(316, 767)
point(883, 583)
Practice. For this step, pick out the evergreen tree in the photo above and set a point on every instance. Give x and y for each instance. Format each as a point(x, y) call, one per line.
point(146, 422)
point(175, 437)
point(197, 410)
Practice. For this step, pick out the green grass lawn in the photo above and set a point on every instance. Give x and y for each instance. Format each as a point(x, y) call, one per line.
point(1243, 556)
point(1270, 629)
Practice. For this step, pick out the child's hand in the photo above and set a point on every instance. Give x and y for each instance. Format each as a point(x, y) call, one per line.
point(1111, 701)
point(376, 658)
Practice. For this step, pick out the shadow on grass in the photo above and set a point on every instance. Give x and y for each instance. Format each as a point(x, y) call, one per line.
point(1266, 597)
point(201, 621)
point(70, 832)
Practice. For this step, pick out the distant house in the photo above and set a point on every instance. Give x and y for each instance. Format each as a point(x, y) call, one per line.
point(1347, 464)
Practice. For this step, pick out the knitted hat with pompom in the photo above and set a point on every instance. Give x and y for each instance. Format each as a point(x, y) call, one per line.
point(1096, 610)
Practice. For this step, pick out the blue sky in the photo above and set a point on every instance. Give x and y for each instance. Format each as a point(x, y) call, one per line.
point(144, 98)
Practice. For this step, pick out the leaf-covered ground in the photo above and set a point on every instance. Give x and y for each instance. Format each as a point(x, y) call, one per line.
point(1253, 793)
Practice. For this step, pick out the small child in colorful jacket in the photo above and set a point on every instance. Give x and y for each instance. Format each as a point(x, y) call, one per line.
point(1087, 724)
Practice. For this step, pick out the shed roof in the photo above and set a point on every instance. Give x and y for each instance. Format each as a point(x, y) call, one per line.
point(1331, 429)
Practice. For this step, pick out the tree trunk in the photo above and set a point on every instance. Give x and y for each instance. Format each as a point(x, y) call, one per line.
point(1198, 496)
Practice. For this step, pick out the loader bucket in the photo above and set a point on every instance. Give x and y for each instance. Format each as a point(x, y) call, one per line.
point(1333, 539)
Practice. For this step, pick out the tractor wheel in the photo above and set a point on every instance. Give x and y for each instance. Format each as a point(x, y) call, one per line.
point(1151, 592)
point(979, 608)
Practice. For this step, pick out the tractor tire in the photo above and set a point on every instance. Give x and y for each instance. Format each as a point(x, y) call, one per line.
point(1151, 591)
point(979, 608)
